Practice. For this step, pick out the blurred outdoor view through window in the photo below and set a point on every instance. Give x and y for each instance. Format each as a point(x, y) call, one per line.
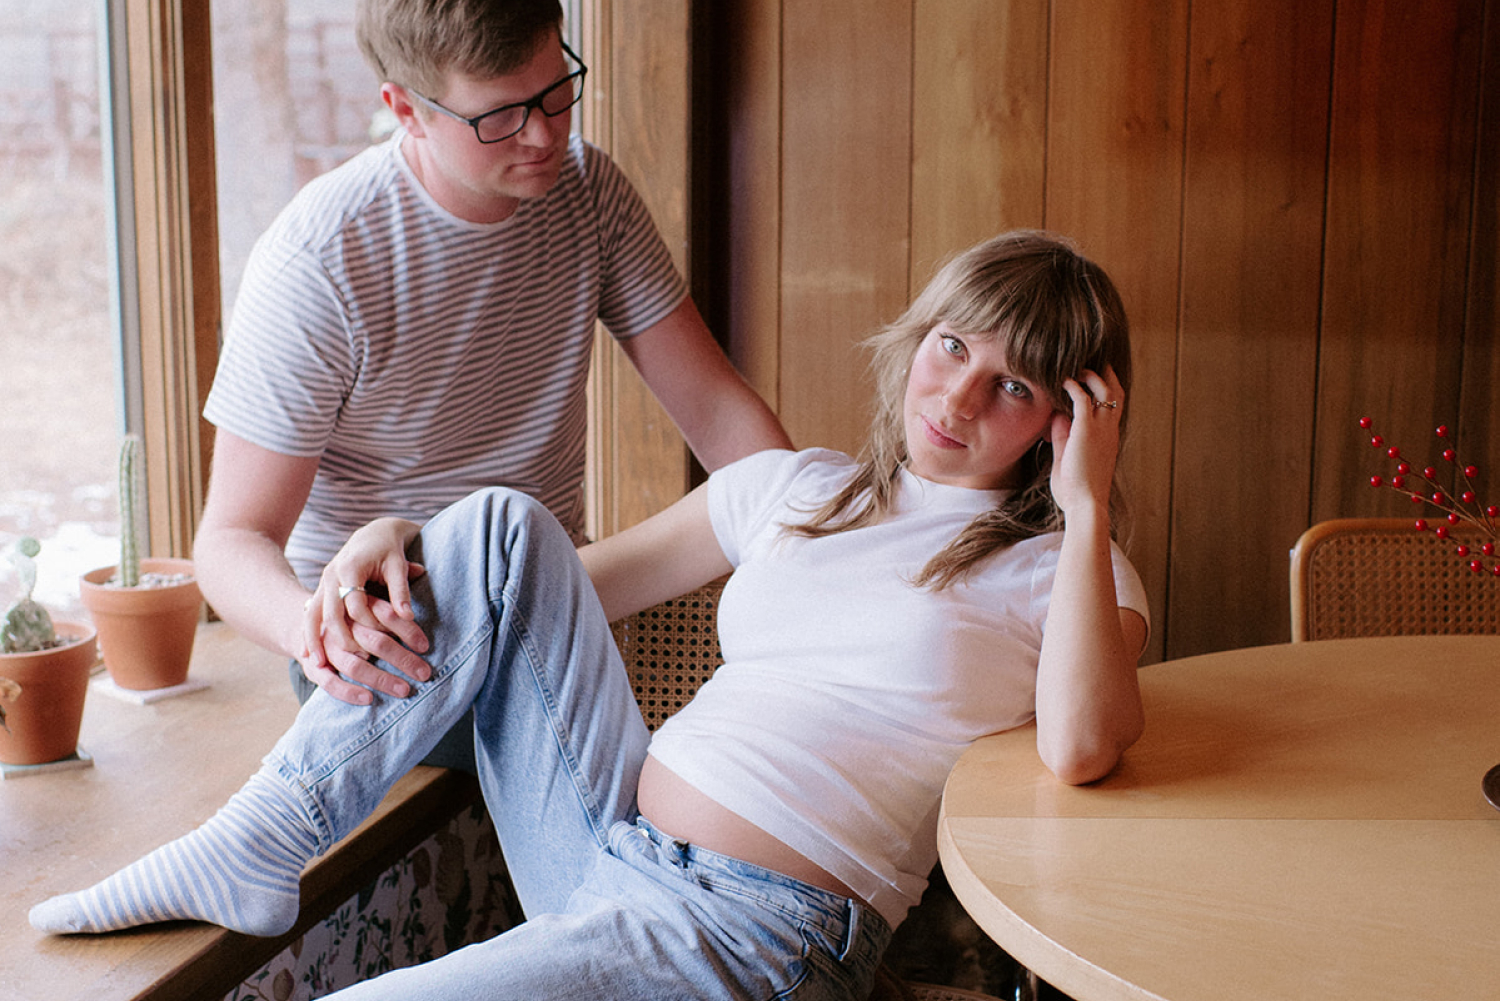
point(59, 407)
point(292, 98)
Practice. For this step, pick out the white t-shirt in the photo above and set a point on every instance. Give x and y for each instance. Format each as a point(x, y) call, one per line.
point(423, 357)
point(847, 694)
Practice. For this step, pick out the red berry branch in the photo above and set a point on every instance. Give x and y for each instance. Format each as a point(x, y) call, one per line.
point(1459, 505)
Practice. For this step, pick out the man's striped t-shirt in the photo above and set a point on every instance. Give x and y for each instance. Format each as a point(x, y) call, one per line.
point(423, 357)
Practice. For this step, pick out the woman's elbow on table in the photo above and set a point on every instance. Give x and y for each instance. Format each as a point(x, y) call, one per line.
point(1079, 763)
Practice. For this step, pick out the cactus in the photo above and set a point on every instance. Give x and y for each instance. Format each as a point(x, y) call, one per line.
point(129, 572)
point(27, 626)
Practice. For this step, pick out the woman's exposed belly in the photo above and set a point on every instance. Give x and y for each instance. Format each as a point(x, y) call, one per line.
point(680, 811)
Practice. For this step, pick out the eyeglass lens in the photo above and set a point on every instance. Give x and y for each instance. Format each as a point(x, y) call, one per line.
point(502, 123)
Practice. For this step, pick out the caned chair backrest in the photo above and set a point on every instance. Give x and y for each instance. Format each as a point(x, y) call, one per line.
point(1381, 577)
point(670, 649)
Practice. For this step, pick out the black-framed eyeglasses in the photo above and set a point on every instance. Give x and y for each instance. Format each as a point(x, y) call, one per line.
point(509, 119)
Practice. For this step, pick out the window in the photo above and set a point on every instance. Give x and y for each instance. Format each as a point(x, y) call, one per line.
point(293, 98)
point(60, 406)
point(107, 118)
point(127, 317)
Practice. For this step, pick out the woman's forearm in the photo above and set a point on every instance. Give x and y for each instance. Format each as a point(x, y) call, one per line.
point(1088, 701)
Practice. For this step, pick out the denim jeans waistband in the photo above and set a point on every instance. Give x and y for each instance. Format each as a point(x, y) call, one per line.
point(826, 905)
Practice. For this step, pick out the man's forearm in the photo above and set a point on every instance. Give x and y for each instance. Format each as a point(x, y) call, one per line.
point(740, 425)
point(245, 577)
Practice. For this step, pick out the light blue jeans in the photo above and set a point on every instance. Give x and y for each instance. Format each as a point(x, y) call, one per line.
point(614, 909)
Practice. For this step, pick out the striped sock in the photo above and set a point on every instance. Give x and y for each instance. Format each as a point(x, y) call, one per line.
point(242, 870)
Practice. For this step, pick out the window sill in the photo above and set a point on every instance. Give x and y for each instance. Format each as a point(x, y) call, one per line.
point(160, 770)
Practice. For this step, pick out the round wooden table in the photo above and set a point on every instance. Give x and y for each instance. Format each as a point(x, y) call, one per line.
point(1299, 821)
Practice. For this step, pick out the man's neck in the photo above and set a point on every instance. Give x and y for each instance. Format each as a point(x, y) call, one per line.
point(454, 200)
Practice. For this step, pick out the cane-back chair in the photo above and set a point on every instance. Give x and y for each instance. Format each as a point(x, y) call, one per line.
point(1382, 577)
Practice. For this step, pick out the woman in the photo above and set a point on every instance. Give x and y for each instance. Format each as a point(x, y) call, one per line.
point(957, 580)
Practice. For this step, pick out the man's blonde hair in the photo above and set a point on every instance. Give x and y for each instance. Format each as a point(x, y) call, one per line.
point(416, 43)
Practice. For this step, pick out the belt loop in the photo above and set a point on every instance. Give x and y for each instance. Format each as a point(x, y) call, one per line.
point(853, 926)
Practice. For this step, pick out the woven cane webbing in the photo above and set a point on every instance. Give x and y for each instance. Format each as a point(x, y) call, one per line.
point(670, 649)
point(1381, 577)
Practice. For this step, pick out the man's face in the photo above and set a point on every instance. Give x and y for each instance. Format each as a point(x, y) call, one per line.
point(484, 182)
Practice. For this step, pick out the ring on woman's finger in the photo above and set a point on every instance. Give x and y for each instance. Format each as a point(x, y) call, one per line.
point(1111, 404)
point(346, 590)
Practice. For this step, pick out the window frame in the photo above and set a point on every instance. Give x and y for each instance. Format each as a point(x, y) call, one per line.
point(159, 110)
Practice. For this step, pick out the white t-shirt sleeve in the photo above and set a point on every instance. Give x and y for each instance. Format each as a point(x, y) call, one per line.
point(747, 497)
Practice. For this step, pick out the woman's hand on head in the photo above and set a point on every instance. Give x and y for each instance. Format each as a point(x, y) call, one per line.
point(362, 611)
point(1086, 445)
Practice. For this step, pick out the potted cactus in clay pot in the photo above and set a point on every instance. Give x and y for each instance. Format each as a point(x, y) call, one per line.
point(146, 609)
point(44, 674)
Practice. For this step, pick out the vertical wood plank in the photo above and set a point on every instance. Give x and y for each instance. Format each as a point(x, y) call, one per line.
point(203, 240)
point(168, 182)
point(642, 464)
point(593, 35)
point(1399, 201)
point(1114, 183)
point(846, 151)
point(979, 113)
point(1257, 138)
point(1479, 421)
point(753, 258)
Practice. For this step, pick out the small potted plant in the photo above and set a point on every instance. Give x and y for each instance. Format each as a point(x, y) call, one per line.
point(146, 610)
point(44, 676)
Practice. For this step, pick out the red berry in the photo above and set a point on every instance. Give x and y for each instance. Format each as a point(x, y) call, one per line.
point(1377, 441)
point(1365, 423)
point(1463, 550)
point(1376, 481)
point(1476, 566)
point(1495, 570)
point(1468, 496)
point(1417, 499)
point(1403, 467)
point(1442, 431)
point(1488, 549)
point(1449, 455)
point(1421, 524)
point(1437, 497)
point(1471, 471)
point(1399, 482)
point(1492, 511)
point(1441, 531)
point(1393, 452)
point(1454, 519)
point(1430, 472)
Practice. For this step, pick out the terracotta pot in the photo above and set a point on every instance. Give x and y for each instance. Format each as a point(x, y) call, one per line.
point(145, 633)
point(44, 719)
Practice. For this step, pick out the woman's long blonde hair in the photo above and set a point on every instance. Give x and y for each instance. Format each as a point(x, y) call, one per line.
point(1056, 313)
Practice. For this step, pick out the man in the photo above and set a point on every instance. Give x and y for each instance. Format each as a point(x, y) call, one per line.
point(418, 323)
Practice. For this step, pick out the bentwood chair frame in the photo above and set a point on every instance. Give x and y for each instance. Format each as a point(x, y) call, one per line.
point(1382, 577)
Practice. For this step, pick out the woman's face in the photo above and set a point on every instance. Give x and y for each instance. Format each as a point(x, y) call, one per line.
point(969, 418)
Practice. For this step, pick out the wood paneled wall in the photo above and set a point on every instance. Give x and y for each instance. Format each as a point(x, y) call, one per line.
point(1296, 197)
point(639, 109)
